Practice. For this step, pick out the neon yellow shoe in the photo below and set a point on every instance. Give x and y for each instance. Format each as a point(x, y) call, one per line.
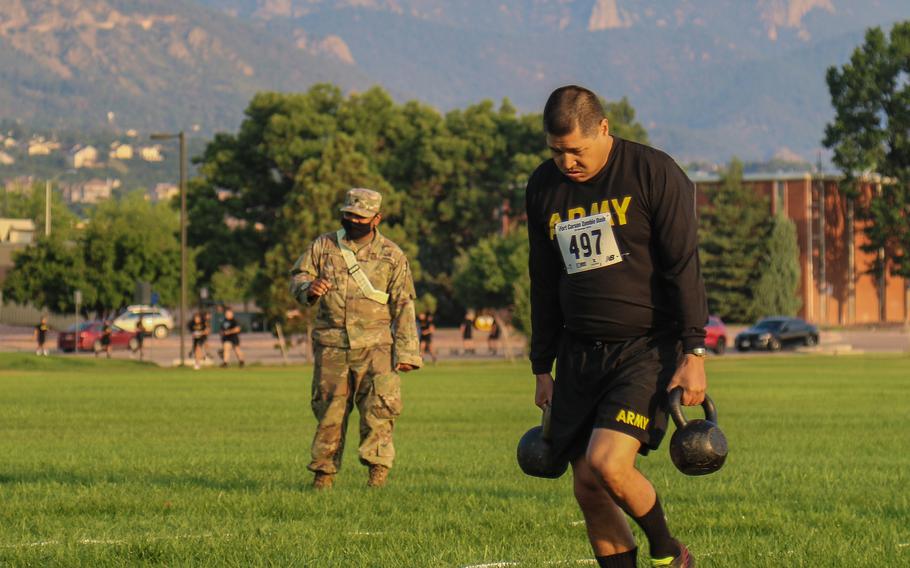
point(682, 560)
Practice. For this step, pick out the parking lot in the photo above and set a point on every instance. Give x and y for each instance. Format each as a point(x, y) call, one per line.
point(263, 348)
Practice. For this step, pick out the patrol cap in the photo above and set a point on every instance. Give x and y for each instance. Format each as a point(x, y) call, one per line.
point(362, 201)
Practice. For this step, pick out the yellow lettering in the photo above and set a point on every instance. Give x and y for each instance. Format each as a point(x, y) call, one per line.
point(644, 423)
point(621, 208)
point(576, 212)
point(621, 417)
point(602, 207)
point(555, 219)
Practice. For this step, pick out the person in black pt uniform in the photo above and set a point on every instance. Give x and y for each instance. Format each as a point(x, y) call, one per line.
point(41, 337)
point(198, 330)
point(427, 328)
point(140, 338)
point(467, 333)
point(618, 302)
point(106, 333)
point(230, 338)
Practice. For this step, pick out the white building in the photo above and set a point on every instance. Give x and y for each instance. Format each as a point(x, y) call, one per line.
point(92, 191)
point(120, 151)
point(151, 153)
point(83, 157)
point(20, 231)
point(163, 192)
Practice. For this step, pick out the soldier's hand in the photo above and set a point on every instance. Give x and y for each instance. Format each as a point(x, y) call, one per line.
point(318, 287)
point(690, 375)
point(543, 395)
point(405, 367)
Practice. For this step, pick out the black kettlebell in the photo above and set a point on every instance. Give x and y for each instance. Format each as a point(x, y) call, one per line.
point(535, 454)
point(698, 447)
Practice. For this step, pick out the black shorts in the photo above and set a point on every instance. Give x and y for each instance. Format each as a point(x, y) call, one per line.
point(139, 338)
point(199, 341)
point(232, 339)
point(617, 386)
point(105, 340)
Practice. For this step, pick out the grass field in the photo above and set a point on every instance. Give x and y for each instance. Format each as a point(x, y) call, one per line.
point(115, 463)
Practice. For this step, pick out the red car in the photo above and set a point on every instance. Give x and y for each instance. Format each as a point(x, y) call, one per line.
point(90, 338)
point(716, 338)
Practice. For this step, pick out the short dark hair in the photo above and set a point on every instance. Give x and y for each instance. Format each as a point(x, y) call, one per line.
point(572, 106)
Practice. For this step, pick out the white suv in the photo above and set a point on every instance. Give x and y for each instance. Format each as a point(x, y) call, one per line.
point(157, 321)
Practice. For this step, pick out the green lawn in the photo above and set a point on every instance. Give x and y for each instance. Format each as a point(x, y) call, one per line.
point(115, 463)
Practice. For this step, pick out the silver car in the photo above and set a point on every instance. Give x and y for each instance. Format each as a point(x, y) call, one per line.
point(157, 321)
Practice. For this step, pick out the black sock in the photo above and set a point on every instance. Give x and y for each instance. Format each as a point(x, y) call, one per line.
point(625, 559)
point(660, 543)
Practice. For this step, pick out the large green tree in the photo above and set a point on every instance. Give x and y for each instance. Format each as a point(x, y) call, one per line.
point(47, 275)
point(732, 230)
point(485, 274)
point(123, 242)
point(776, 290)
point(130, 240)
point(870, 133)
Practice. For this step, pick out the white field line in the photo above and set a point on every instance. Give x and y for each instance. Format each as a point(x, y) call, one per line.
point(111, 541)
point(551, 563)
point(366, 533)
point(903, 544)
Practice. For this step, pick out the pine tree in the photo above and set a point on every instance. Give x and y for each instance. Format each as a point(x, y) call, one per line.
point(776, 291)
point(732, 230)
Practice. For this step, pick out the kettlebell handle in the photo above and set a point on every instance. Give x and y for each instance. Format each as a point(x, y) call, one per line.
point(676, 408)
point(545, 423)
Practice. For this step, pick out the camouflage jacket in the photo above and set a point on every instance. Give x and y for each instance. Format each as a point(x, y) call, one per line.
point(345, 316)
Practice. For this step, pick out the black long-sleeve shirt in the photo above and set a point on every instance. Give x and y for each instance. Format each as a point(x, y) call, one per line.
point(579, 287)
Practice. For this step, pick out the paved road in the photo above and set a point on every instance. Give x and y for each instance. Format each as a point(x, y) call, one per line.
point(263, 347)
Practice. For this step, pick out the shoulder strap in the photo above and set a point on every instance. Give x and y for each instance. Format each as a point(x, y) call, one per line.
point(357, 274)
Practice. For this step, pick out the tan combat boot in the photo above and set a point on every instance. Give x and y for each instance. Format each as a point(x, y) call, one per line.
point(323, 480)
point(378, 474)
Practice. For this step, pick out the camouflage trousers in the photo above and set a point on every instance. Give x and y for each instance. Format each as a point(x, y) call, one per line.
point(341, 379)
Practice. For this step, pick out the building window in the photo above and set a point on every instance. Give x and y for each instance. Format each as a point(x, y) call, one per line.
point(780, 198)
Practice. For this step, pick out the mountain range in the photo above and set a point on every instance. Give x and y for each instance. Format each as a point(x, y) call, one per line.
point(708, 78)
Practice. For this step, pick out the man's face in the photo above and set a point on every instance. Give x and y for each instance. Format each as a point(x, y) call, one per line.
point(229, 314)
point(579, 156)
point(372, 221)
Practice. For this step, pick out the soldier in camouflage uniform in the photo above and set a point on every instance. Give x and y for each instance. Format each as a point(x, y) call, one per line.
point(365, 331)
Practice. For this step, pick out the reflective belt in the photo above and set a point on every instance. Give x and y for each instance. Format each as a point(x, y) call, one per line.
point(357, 274)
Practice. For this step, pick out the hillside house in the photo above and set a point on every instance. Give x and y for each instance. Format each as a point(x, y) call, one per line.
point(92, 191)
point(19, 231)
point(151, 153)
point(120, 151)
point(39, 148)
point(83, 157)
point(163, 192)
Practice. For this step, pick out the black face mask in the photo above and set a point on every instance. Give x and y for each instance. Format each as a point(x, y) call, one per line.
point(356, 231)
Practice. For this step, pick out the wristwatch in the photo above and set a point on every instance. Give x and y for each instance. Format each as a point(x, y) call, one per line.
point(697, 351)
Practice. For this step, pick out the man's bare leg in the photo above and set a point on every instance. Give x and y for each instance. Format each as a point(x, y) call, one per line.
point(611, 457)
point(608, 529)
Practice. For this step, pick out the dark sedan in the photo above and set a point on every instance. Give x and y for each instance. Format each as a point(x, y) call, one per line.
point(775, 333)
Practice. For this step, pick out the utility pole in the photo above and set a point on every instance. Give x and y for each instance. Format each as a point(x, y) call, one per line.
point(47, 208)
point(183, 252)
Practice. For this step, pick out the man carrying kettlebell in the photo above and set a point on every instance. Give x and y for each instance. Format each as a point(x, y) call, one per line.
point(618, 302)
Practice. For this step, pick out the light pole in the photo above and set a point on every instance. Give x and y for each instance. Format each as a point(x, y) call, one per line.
point(182, 139)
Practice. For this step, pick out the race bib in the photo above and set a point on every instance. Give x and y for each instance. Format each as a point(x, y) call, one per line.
point(587, 243)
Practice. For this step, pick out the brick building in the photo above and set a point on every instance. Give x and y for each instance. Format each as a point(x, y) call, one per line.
point(837, 285)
